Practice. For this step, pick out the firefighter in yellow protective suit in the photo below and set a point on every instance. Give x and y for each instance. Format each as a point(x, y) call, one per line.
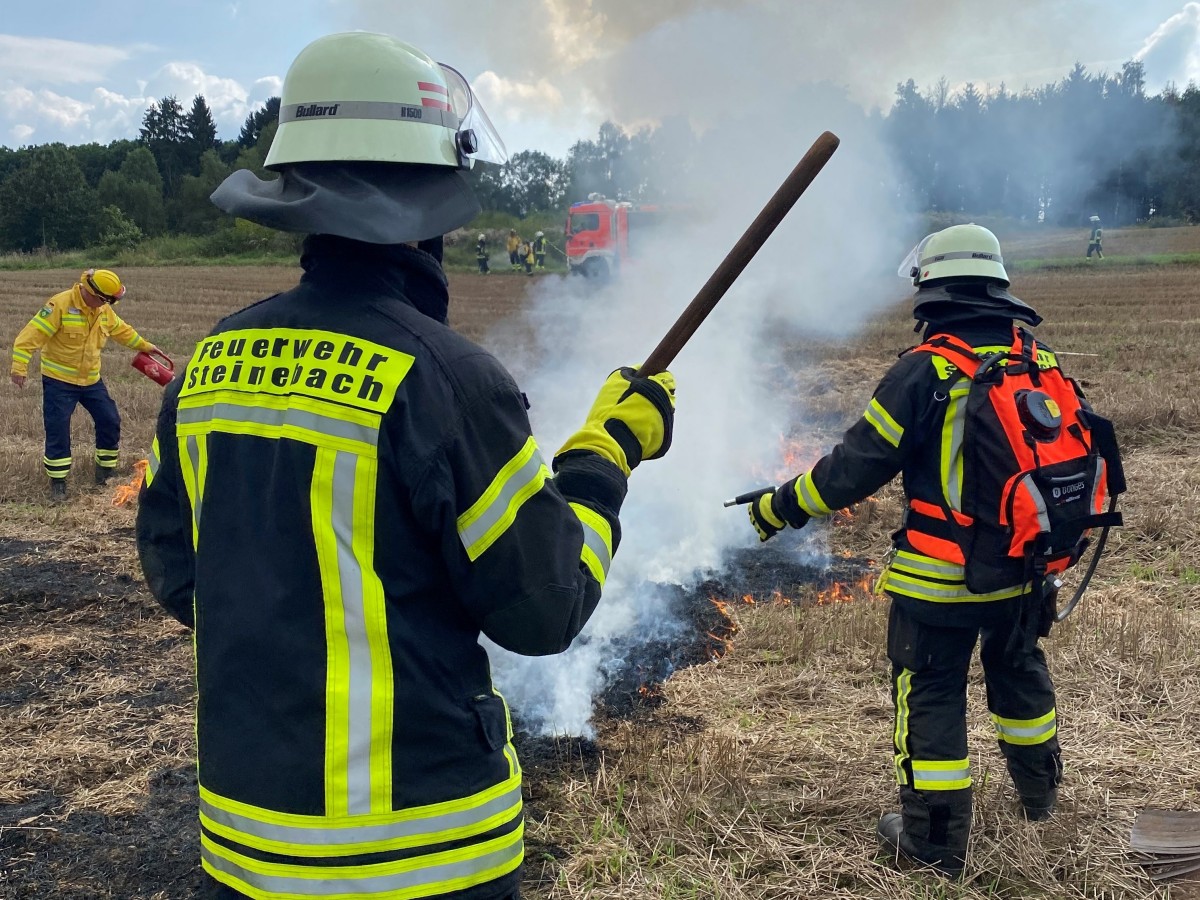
point(1095, 240)
point(69, 332)
point(343, 494)
point(513, 245)
point(914, 425)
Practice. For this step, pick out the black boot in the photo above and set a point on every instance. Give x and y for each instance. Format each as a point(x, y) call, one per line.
point(1041, 807)
point(894, 841)
point(103, 474)
point(58, 490)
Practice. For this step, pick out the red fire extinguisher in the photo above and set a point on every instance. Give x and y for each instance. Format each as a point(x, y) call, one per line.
point(162, 372)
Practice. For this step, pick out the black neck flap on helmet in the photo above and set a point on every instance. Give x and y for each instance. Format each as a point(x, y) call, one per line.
point(958, 300)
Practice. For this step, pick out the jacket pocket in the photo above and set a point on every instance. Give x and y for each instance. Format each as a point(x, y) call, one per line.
point(491, 712)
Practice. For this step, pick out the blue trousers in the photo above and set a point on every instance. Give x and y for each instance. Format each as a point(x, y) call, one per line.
point(59, 400)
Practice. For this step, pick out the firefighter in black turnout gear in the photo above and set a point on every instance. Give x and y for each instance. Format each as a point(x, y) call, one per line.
point(344, 494)
point(942, 600)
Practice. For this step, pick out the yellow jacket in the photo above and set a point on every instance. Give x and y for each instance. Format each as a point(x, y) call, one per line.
point(513, 243)
point(70, 335)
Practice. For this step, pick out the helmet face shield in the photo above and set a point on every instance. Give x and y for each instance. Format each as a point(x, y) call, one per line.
point(477, 136)
point(910, 267)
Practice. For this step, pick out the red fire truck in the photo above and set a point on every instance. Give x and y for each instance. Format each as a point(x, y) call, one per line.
point(604, 236)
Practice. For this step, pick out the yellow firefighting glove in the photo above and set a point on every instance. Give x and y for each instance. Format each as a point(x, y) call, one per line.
point(631, 419)
point(775, 510)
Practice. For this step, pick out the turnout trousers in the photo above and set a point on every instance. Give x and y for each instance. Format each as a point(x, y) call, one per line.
point(59, 400)
point(929, 692)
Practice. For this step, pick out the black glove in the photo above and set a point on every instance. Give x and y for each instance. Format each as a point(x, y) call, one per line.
point(775, 510)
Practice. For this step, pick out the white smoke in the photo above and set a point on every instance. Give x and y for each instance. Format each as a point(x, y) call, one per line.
point(748, 79)
point(824, 271)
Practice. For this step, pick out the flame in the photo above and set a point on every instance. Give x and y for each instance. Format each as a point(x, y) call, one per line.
point(126, 492)
point(844, 592)
point(722, 644)
point(748, 599)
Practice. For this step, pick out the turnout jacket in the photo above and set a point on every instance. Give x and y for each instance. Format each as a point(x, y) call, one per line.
point(70, 335)
point(343, 493)
point(914, 426)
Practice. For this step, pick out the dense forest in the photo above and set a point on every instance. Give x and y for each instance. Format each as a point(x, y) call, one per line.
point(1087, 144)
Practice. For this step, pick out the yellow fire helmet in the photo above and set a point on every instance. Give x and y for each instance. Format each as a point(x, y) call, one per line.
point(104, 283)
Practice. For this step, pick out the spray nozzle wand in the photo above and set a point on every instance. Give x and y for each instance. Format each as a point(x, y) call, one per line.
point(748, 497)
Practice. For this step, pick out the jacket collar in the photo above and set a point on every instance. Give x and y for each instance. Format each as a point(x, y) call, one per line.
point(391, 270)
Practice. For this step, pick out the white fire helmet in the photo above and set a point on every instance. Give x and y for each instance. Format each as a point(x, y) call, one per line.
point(1094, 219)
point(954, 252)
point(362, 97)
point(540, 234)
point(482, 236)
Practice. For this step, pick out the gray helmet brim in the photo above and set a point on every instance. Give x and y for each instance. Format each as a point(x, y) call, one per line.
point(380, 203)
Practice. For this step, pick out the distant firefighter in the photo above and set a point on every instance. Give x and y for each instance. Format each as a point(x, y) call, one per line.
point(539, 249)
point(514, 245)
point(525, 254)
point(69, 331)
point(1094, 239)
point(481, 254)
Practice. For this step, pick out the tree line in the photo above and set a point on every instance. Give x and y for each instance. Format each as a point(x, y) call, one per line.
point(1088, 144)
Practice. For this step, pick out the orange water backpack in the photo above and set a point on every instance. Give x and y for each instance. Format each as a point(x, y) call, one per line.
point(1039, 467)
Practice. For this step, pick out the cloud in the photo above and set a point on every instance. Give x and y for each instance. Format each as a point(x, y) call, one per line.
point(21, 133)
point(54, 61)
point(1172, 51)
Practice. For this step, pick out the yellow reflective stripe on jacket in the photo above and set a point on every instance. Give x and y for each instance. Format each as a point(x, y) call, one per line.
point(358, 686)
point(918, 564)
point(944, 592)
point(951, 462)
point(54, 368)
point(351, 835)
point(491, 515)
point(900, 735)
point(305, 419)
point(881, 420)
point(941, 774)
point(809, 497)
point(597, 542)
point(43, 325)
point(1025, 732)
point(153, 461)
point(21, 356)
point(423, 876)
point(193, 465)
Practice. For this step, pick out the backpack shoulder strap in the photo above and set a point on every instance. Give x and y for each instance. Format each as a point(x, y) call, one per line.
point(953, 350)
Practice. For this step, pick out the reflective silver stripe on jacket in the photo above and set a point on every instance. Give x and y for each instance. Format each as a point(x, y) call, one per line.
point(418, 827)
point(265, 415)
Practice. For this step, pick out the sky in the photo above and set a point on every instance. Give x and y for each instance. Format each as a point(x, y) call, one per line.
point(550, 71)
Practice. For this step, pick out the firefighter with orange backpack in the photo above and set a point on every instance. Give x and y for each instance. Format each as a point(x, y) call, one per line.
point(70, 330)
point(1006, 469)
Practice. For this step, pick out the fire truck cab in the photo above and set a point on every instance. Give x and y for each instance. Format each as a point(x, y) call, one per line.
point(604, 235)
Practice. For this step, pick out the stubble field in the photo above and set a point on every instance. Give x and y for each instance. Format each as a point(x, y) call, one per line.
point(759, 775)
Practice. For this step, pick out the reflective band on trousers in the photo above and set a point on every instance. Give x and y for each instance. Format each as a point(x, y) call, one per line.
point(321, 838)
point(491, 515)
point(424, 876)
point(941, 774)
point(1025, 732)
point(900, 736)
